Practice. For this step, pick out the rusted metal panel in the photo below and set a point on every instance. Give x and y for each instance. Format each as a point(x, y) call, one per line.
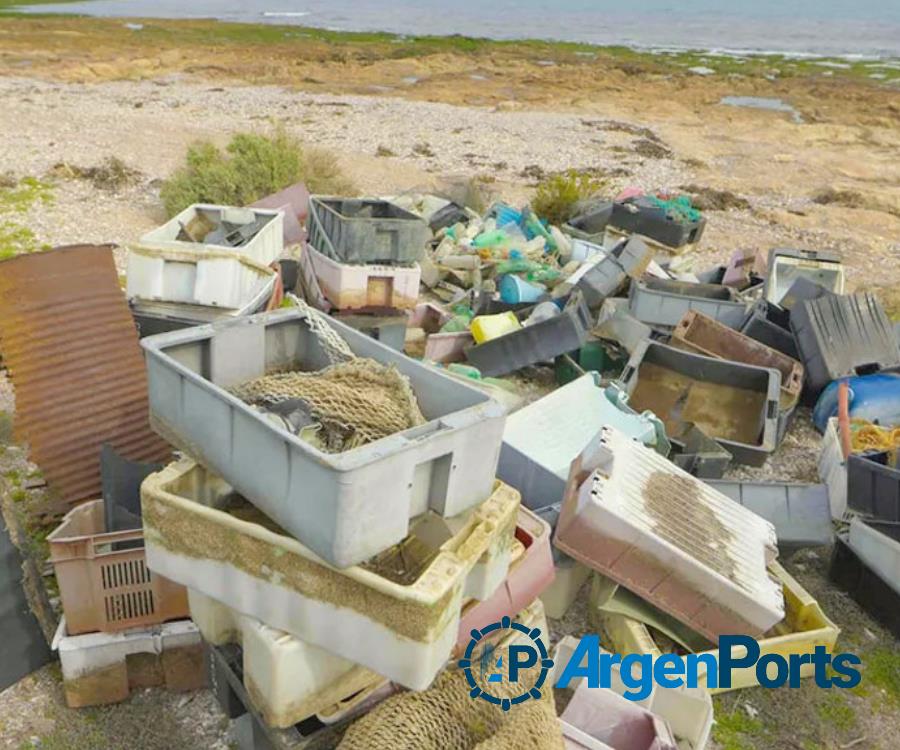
point(73, 355)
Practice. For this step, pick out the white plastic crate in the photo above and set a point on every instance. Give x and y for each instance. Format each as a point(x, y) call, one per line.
point(264, 247)
point(286, 679)
point(366, 287)
point(399, 619)
point(345, 506)
point(191, 276)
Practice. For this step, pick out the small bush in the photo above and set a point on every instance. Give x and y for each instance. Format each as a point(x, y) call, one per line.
point(252, 167)
point(557, 196)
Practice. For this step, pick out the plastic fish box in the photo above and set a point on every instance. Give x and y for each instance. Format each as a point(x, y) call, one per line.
point(397, 614)
point(229, 282)
point(591, 221)
point(637, 216)
point(262, 231)
point(873, 487)
point(801, 513)
point(658, 302)
point(735, 404)
point(698, 454)
point(840, 336)
point(804, 627)
point(534, 343)
point(542, 439)
point(602, 279)
point(530, 573)
point(670, 538)
point(373, 288)
point(877, 544)
point(832, 470)
point(787, 265)
point(699, 333)
point(286, 679)
point(326, 500)
point(365, 230)
point(770, 325)
point(103, 668)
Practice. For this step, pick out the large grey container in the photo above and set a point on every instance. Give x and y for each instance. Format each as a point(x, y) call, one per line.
point(800, 513)
point(538, 342)
point(839, 336)
point(735, 404)
point(873, 486)
point(357, 230)
point(346, 506)
point(663, 303)
point(609, 274)
point(770, 325)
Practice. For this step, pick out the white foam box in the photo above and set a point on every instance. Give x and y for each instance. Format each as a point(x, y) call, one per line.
point(366, 287)
point(102, 668)
point(286, 679)
point(398, 619)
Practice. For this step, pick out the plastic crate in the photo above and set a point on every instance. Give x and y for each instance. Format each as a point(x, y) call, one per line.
point(264, 247)
point(327, 500)
point(401, 623)
point(698, 454)
point(635, 215)
point(104, 582)
point(365, 230)
point(373, 288)
point(877, 544)
point(839, 336)
point(832, 470)
point(805, 626)
point(873, 487)
point(663, 303)
point(735, 404)
point(286, 679)
point(787, 265)
point(628, 259)
point(770, 325)
point(535, 343)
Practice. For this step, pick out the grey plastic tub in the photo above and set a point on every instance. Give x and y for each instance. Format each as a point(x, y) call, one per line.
point(800, 513)
point(606, 277)
point(346, 506)
point(535, 343)
point(770, 325)
point(664, 303)
point(873, 487)
point(357, 230)
point(735, 404)
point(786, 265)
point(698, 454)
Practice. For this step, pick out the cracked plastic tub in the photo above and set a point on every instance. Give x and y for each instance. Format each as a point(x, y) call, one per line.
point(735, 404)
point(326, 500)
point(398, 614)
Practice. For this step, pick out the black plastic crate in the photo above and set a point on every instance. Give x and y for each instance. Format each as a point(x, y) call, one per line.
point(641, 216)
point(770, 325)
point(873, 487)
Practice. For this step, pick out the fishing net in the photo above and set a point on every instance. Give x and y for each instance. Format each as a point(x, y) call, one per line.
point(678, 209)
point(355, 402)
point(865, 436)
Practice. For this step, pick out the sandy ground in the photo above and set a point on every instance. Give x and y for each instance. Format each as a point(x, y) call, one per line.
point(452, 122)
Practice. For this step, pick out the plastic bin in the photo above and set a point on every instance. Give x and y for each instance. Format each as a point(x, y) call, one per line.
point(877, 544)
point(541, 440)
point(698, 454)
point(735, 404)
point(365, 230)
point(264, 247)
point(805, 626)
point(658, 302)
point(832, 470)
point(535, 343)
point(800, 513)
point(369, 288)
point(326, 500)
point(398, 614)
point(787, 265)
point(104, 582)
point(873, 487)
point(669, 538)
point(592, 220)
point(843, 335)
point(770, 325)
point(608, 275)
point(286, 679)
point(699, 333)
point(638, 215)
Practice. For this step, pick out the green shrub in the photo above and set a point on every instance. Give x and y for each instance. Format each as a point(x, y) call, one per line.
point(251, 167)
point(557, 196)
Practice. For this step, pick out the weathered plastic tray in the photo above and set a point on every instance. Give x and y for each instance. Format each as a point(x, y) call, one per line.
point(286, 679)
point(529, 574)
point(541, 440)
point(786, 265)
point(735, 404)
point(534, 343)
point(770, 325)
point(875, 595)
point(634, 516)
point(843, 335)
point(326, 500)
point(365, 230)
point(832, 470)
point(608, 275)
point(701, 334)
point(265, 246)
point(800, 513)
point(698, 454)
point(658, 302)
point(873, 487)
point(805, 626)
point(402, 623)
point(877, 544)
point(654, 223)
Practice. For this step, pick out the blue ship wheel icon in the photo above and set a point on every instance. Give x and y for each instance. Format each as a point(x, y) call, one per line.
point(465, 663)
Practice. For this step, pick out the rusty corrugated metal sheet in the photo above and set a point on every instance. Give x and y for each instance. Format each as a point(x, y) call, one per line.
point(77, 368)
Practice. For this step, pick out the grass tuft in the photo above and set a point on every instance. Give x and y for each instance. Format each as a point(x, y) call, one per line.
point(557, 196)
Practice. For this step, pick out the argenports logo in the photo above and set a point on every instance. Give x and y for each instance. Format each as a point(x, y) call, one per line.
point(497, 666)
